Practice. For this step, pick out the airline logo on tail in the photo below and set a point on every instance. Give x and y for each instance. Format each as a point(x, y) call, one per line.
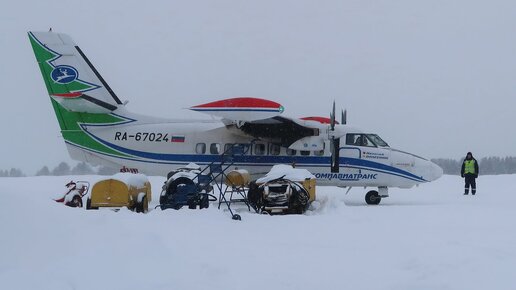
point(64, 74)
point(63, 78)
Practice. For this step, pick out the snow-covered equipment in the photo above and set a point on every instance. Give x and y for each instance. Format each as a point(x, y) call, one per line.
point(186, 187)
point(192, 185)
point(74, 193)
point(284, 190)
point(122, 189)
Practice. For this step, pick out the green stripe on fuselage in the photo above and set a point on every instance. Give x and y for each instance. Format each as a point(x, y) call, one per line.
point(70, 124)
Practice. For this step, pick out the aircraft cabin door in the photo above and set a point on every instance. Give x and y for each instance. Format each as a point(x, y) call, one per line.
point(350, 156)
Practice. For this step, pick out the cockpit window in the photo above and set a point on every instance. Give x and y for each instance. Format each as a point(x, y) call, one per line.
point(377, 140)
point(365, 140)
point(358, 140)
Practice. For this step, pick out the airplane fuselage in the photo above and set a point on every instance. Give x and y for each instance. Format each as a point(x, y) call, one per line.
point(156, 147)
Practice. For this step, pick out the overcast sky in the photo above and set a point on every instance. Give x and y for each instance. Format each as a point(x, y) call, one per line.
point(436, 78)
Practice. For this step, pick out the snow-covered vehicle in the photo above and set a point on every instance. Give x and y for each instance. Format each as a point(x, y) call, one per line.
point(122, 189)
point(74, 193)
point(284, 190)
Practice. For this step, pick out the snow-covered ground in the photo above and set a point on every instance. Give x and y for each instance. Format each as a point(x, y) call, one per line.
point(428, 237)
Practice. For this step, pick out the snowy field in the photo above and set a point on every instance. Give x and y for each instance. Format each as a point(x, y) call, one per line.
point(428, 237)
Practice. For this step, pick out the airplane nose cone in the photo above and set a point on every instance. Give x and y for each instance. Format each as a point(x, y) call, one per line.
point(434, 171)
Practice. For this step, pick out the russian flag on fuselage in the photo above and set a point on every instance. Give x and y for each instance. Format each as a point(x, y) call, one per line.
point(177, 139)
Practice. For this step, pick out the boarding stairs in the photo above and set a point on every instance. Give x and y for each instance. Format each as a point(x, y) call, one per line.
point(216, 173)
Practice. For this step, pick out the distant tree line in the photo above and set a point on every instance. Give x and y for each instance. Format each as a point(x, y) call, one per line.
point(14, 172)
point(63, 169)
point(487, 165)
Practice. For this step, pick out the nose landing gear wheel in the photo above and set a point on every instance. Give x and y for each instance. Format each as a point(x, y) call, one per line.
point(372, 197)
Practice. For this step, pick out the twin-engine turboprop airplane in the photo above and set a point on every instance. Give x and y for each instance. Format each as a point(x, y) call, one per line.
point(98, 129)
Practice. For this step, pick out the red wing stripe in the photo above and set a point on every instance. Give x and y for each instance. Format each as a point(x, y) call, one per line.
point(241, 103)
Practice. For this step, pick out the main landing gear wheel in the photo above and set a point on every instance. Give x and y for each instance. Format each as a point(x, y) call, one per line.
point(372, 197)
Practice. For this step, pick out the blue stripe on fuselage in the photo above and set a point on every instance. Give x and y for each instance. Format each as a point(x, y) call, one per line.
point(315, 161)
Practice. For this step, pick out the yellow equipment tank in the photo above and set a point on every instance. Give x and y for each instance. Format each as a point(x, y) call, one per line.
point(123, 189)
point(238, 178)
point(309, 185)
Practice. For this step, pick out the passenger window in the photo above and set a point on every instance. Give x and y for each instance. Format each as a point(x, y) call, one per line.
point(305, 153)
point(241, 149)
point(259, 149)
point(320, 152)
point(227, 148)
point(200, 148)
point(291, 152)
point(215, 148)
point(274, 149)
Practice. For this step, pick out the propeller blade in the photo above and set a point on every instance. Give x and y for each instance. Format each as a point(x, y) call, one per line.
point(334, 143)
point(344, 115)
point(335, 148)
point(332, 117)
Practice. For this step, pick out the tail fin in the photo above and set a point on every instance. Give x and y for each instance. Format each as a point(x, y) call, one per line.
point(70, 77)
point(79, 95)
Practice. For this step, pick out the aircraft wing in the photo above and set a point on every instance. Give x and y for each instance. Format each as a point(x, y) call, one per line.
point(241, 109)
point(260, 119)
point(284, 131)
